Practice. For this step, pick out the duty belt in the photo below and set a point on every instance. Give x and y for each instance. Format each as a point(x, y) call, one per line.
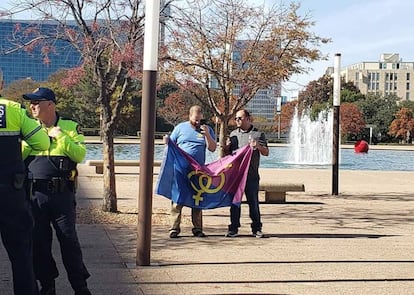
point(53, 185)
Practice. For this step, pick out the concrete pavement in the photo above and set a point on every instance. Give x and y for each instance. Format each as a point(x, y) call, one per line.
point(358, 243)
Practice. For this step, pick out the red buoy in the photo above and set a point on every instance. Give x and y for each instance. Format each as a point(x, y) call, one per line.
point(361, 146)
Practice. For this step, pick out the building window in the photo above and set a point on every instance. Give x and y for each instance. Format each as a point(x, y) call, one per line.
point(407, 95)
point(373, 76)
point(407, 87)
point(408, 76)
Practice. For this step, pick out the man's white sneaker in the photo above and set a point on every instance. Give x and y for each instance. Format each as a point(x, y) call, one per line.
point(231, 234)
point(258, 234)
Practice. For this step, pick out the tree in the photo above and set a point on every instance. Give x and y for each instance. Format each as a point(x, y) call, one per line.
point(320, 92)
point(108, 35)
point(317, 92)
point(349, 92)
point(16, 89)
point(379, 112)
point(409, 104)
point(231, 50)
point(175, 108)
point(79, 101)
point(402, 126)
point(176, 105)
point(351, 96)
point(131, 111)
point(352, 120)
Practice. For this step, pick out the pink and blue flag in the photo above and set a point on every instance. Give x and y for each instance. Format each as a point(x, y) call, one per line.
point(218, 184)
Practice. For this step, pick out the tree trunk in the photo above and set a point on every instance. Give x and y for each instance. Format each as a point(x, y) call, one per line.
point(223, 136)
point(109, 189)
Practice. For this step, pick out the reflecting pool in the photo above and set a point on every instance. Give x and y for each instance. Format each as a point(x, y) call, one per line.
point(386, 160)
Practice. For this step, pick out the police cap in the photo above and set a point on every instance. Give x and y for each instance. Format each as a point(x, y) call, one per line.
point(41, 93)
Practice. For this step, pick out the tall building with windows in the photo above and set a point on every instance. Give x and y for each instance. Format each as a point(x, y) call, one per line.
point(389, 75)
point(264, 102)
point(21, 64)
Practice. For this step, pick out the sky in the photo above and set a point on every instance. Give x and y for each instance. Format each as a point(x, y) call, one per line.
point(361, 30)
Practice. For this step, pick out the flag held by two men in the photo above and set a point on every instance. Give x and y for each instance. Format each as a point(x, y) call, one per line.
point(217, 184)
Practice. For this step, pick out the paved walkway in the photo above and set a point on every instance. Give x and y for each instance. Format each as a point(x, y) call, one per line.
point(358, 243)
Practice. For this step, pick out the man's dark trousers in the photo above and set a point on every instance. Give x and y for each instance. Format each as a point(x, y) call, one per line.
point(58, 209)
point(16, 225)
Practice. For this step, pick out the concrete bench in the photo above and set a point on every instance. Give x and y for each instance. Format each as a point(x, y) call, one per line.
point(157, 135)
point(98, 164)
point(90, 131)
point(276, 192)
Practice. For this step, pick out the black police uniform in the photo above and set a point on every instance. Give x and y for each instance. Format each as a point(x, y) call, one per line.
point(53, 201)
point(16, 221)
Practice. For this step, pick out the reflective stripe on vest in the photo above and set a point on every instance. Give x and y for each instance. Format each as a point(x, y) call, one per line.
point(9, 133)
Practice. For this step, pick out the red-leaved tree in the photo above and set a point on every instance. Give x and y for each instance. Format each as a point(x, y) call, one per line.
point(352, 119)
point(402, 126)
point(109, 37)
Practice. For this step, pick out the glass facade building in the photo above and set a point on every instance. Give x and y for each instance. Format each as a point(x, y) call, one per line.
point(264, 102)
point(22, 64)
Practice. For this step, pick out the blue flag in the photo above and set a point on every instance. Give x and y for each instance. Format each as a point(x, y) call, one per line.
point(218, 184)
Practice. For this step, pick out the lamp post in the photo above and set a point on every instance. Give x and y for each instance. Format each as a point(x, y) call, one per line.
point(278, 125)
point(278, 112)
point(152, 13)
point(336, 106)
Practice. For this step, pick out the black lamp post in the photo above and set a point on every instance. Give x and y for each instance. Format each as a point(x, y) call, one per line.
point(152, 14)
point(336, 138)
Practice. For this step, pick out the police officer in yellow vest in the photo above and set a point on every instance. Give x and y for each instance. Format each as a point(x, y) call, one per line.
point(16, 221)
point(53, 200)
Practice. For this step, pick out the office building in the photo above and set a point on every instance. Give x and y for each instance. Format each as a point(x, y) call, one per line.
point(389, 75)
point(264, 102)
point(21, 64)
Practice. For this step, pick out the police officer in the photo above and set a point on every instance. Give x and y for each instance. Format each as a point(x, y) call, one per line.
point(54, 183)
point(16, 221)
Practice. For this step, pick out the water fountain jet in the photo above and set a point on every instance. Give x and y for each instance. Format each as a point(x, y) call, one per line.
point(310, 141)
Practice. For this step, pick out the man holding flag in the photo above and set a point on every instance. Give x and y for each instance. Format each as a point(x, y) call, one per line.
point(193, 137)
point(247, 134)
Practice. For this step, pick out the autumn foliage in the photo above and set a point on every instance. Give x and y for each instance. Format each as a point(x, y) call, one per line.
point(352, 119)
point(232, 49)
point(175, 108)
point(403, 125)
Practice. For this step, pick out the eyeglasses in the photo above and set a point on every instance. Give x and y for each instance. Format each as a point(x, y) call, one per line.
point(238, 118)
